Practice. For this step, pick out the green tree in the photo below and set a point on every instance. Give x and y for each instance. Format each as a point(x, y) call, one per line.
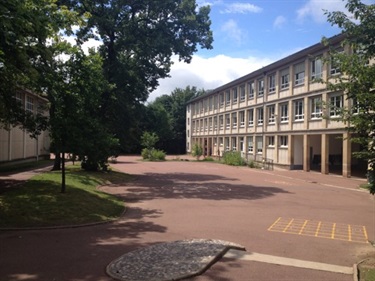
point(197, 151)
point(358, 81)
point(139, 39)
point(26, 27)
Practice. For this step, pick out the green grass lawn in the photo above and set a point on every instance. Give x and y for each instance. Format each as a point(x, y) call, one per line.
point(39, 202)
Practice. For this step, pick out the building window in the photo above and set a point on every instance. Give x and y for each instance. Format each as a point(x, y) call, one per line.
point(259, 145)
point(250, 144)
point(271, 141)
point(284, 78)
point(210, 103)
point(188, 133)
point(227, 121)
point(221, 122)
point(234, 143)
point(271, 114)
point(242, 119)
point(316, 68)
point(251, 89)
point(283, 141)
point(260, 115)
point(284, 116)
point(271, 83)
point(235, 95)
point(221, 100)
point(227, 98)
point(201, 125)
point(299, 74)
point(215, 123)
point(242, 93)
point(234, 120)
point(205, 125)
point(210, 124)
point(336, 105)
point(298, 110)
point(316, 107)
point(193, 126)
point(29, 104)
point(260, 88)
point(241, 141)
point(227, 144)
point(335, 64)
point(221, 141)
point(201, 106)
point(215, 102)
point(250, 117)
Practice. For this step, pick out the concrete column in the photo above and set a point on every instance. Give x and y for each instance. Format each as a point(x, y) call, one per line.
point(325, 154)
point(291, 151)
point(346, 156)
point(306, 153)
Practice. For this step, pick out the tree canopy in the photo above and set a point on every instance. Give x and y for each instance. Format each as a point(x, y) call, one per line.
point(357, 81)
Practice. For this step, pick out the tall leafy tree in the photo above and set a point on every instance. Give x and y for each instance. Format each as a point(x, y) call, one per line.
point(358, 82)
point(139, 39)
point(26, 26)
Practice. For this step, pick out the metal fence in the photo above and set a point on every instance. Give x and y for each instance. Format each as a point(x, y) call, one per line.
point(259, 161)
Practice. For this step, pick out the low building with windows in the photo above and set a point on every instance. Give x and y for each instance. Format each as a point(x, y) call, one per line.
point(16, 144)
point(282, 113)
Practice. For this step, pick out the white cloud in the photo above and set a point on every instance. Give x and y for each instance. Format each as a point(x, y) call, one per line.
point(279, 22)
point(207, 73)
point(241, 8)
point(315, 9)
point(233, 32)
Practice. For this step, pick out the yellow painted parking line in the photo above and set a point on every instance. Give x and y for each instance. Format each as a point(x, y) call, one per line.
point(320, 229)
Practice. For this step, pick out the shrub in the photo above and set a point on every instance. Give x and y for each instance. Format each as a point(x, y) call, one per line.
point(157, 155)
point(145, 153)
point(197, 151)
point(233, 158)
point(209, 159)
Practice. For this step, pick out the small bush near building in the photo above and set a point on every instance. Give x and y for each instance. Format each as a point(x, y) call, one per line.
point(233, 158)
point(197, 151)
point(209, 159)
point(153, 154)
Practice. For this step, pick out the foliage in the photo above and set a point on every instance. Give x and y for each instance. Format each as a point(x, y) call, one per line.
point(149, 140)
point(153, 154)
point(209, 159)
point(233, 158)
point(39, 202)
point(197, 151)
point(358, 83)
point(139, 39)
point(167, 114)
point(26, 27)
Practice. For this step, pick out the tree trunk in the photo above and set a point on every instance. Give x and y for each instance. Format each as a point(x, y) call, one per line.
point(63, 173)
point(57, 162)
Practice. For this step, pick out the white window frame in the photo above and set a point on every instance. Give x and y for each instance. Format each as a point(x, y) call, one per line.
point(299, 74)
point(260, 87)
point(221, 100)
point(251, 89)
point(316, 107)
point(234, 120)
point(227, 121)
point(336, 104)
point(30, 104)
point(250, 144)
point(298, 110)
point(250, 117)
point(242, 119)
point(271, 141)
point(260, 116)
point(271, 114)
point(234, 144)
point(316, 68)
point(235, 95)
point(283, 141)
point(242, 93)
point(259, 147)
point(284, 114)
point(271, 83)
point(227, 98)
point(285, 79)
point(221, 122)
point(226, 143)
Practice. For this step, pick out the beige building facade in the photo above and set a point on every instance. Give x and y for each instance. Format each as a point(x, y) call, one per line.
point(281, 114)
point(16, 144)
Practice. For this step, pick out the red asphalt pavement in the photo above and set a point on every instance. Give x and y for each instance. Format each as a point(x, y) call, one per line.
point(177, 200)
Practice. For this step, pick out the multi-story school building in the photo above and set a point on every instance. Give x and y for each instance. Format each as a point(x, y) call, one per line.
point(281, 114)
point(16, 144)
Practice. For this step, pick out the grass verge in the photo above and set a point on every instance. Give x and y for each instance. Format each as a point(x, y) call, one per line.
point(39, 202)
point(367, 270)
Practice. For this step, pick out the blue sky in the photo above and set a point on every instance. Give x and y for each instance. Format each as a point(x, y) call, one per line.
point(250, 34)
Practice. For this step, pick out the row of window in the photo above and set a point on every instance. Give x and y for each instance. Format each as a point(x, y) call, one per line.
point(29, 102)
point(256, 87)
point(254, 143)
point(235, 119)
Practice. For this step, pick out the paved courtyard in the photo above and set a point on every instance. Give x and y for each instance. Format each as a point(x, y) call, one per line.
point(294, 225)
